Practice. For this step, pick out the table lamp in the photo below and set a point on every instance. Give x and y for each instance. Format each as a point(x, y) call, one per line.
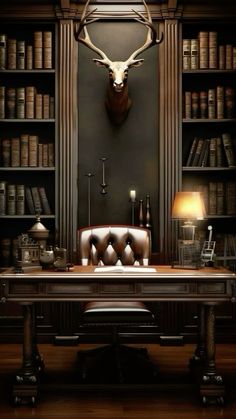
point(189, 207)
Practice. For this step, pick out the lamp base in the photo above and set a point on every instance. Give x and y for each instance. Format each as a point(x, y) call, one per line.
point(188, 255)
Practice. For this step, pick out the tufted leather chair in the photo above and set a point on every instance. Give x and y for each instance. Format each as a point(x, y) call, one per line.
point(115, 245)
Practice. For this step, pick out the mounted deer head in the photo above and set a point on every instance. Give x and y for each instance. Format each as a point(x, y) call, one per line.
point(118, 101)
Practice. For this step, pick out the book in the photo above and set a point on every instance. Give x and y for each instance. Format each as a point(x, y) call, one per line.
point(206, 153)
point(11, 54)
point(221, 57)
point(6, 152)
point(212, 202)
point(230, 198)
point(228, 57)
point(213, 59)
point(40, 154)
point(2, 102)
point(211, 104)
point(198, 152)
point(38, 49)
point(20, 55)
point(203, 104)
point(229, 102)
point(188, 105)
point(51, 160)
point(38, 106)
point(46, 101)
point(219, 102)
point(11, 199)
point(220, 198)
point(44, 201)
point(203, 49)
point(24, 150)
point(33, 150)
point(15, 152)
point(36, 200)
point(20, 199)
point(10, 103)
point(202, 153)
point(3, 51)
point(228, 147)
point(29, 102)
point(3, 197)
point(212, 152)
point(45, 155)
point(20, 102)
point(122, 268)
point(195, 105)
point(29, 57)
point(219, 152)
point(234, 58)
point(29, 200)
point(186, 54)
point(47, 49)
point(194, 54)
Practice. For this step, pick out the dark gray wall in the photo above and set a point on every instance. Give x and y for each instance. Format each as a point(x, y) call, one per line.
point(132, 148)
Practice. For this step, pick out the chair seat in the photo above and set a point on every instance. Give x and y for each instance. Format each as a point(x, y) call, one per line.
point(117, 312)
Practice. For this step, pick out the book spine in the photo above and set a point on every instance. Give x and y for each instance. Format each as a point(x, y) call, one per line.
point(222, 57)
point(198, 152)
point(45, 106)
point(229, 102)
point(203, 49)
point(44, 200)
point(20, 103)
point(51, 159)
point(234, 58)
point(212, 153)
point(3, 197)
point(188, 105)
point(36, 200)
point(194, 54)
point(230, 198)
point(45, 155)
point(11, 103)
point(40, 155)
point(29, 200)
point(228, 57)
point(11, 54)
point(38, 50)
point(29, 57)
point(20, 199)
point(220, 102)
point(47, 49)
point(3, 51)
point(213, 59)
point(212, 202)
point(2, 102)
point(21, 55)
point(203, 105)
point(15, 152)
point(186, 54)
point(51, 107)
point(219, 152)
point(220, 198)
point(33, 150)
point(211, 104)
point(206, 154)
point(228, 147)
point(6, 152)
point(11, 199)
point(202, 153)
point(195, 105)
point(24, 150)
point(29, 102)
point(38, 106)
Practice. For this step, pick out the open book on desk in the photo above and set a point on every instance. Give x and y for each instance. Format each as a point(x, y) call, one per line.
point(128, 269)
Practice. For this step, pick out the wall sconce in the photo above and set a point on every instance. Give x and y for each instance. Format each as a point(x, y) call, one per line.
point(189, 207)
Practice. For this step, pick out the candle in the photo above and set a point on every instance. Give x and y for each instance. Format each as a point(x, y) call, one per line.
point(132, 195)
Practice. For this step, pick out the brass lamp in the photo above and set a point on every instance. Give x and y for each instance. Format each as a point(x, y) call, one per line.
point(188, 206)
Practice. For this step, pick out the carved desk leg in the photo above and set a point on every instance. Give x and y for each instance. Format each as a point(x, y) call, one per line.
point(38, 359)
point(25, 389)
point(212, 388)
point(199, 355)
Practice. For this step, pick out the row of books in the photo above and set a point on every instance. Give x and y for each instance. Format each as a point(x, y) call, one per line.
point(25, 102)
point(219, 197)
point(212, 152)
point(204, 52)
point(21, 199)
point(19, 54)
point(26, 151)
point(216, 103)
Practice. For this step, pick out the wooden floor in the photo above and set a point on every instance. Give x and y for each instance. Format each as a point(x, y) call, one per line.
point(178, 400)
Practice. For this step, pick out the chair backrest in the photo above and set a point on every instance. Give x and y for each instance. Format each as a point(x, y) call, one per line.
point(114, 245)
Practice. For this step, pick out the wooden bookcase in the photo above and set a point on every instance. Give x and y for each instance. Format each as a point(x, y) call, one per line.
point(42, 174)
point(216, 179)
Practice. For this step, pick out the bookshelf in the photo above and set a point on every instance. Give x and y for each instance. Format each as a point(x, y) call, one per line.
point(28, 129)
point(208, 117)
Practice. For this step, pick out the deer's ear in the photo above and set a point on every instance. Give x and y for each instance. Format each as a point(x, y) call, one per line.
point(99, 63)
point(137, 63)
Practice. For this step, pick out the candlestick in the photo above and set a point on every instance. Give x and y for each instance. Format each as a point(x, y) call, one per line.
point(89, 176)
point(148, 212)
point(141, 213)
point(132, 195)
point(103, 184)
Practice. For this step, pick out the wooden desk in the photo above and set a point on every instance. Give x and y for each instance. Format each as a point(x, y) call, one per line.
point(207, 286)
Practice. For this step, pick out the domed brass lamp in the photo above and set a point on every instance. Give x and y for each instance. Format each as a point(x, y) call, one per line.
point(39, 232)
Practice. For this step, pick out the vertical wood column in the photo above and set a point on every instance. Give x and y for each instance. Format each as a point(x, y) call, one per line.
point(170, 138)
point(67, 139)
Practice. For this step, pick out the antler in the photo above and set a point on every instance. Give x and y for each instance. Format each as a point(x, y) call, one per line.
point(151, 39)
point(84, 21)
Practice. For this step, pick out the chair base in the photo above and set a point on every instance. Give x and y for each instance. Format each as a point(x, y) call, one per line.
point(116, 364)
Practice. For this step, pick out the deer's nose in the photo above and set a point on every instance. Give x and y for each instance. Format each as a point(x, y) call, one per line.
point(118, 86)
